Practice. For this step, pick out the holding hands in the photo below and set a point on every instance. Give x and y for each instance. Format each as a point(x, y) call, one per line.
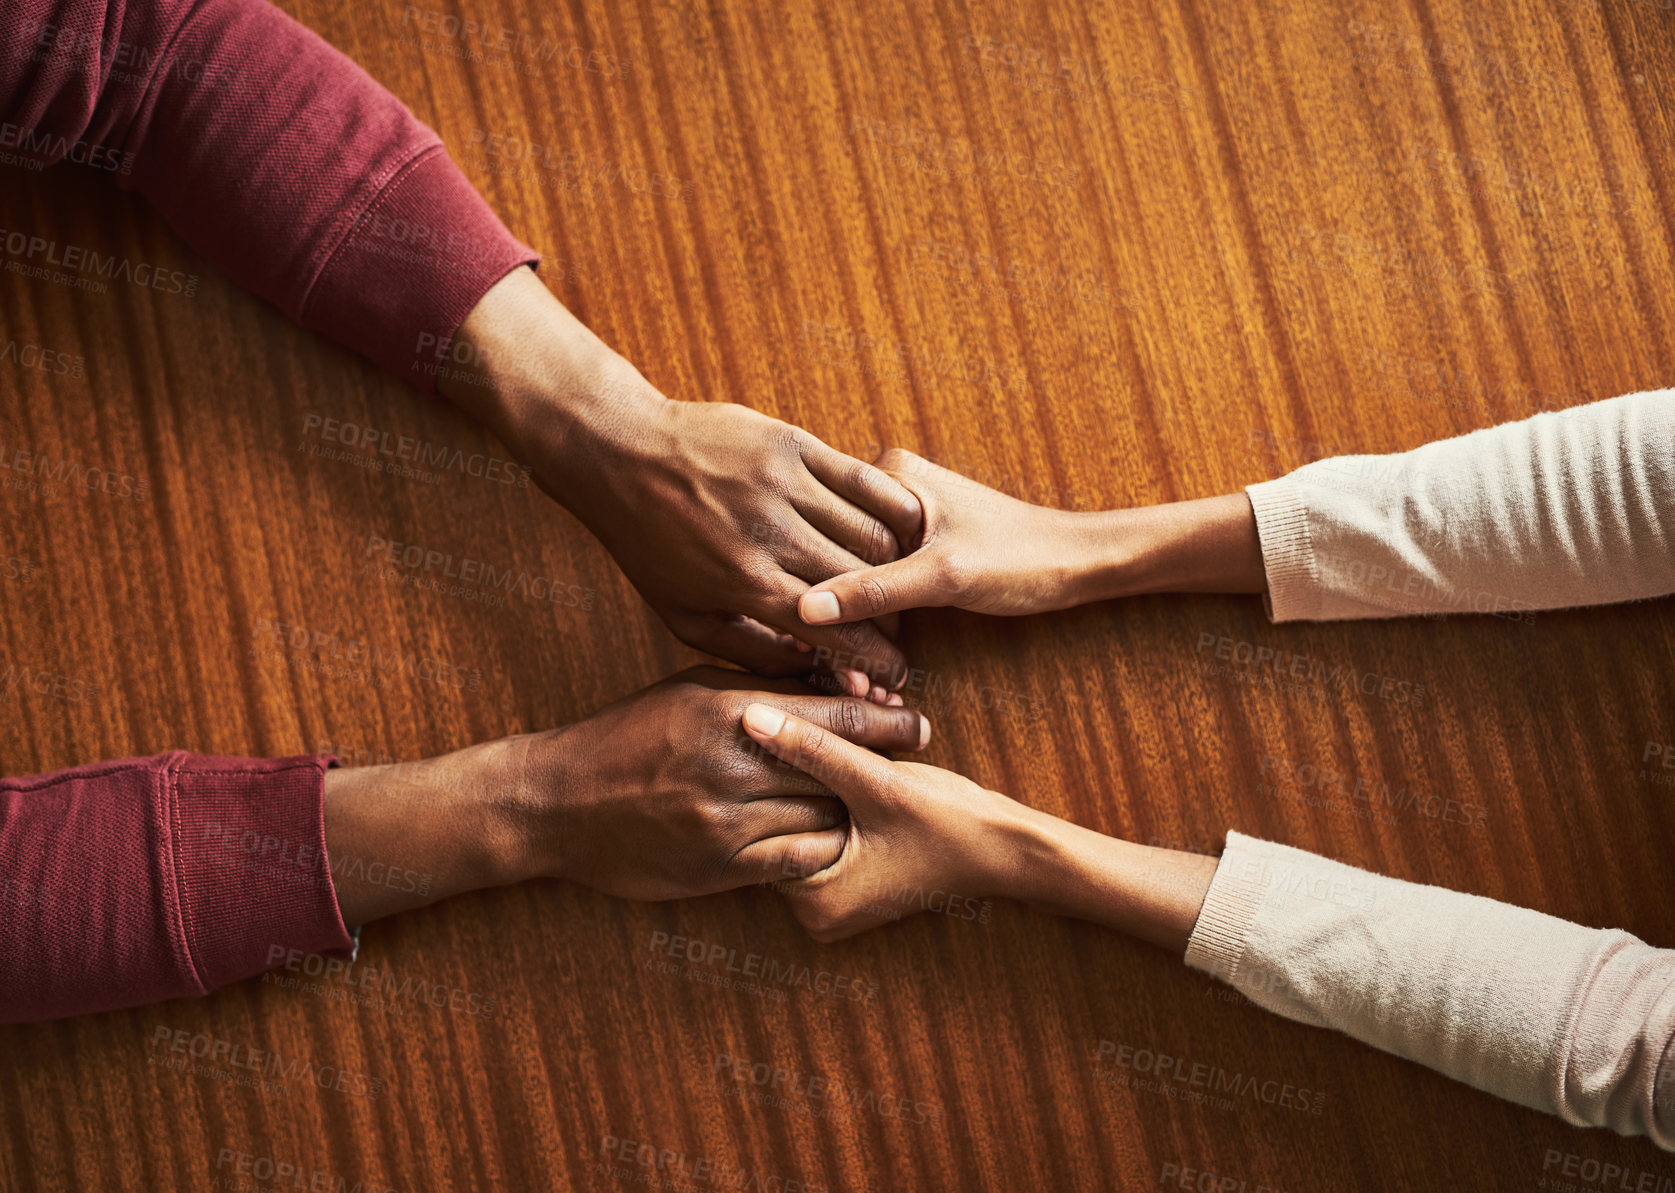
point(915, 828)
point(721, 516)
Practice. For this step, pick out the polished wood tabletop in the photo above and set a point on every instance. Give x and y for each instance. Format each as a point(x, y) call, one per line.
point(1094, 254)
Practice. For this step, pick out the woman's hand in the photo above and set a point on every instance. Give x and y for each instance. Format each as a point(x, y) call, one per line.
point(917, 831)
point(913, 831)
point(980, 550)
point(989, 553)
point(721, 516)
point(659, 796)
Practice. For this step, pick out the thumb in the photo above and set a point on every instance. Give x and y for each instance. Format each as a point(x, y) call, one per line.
point(909, 583)
point(853, 772)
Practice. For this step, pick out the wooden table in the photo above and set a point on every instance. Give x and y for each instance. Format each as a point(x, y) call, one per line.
point(1096, 255)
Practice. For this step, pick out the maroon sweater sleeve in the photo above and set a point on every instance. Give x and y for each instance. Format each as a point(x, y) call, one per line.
point(129, 882)
point(269, 152)
point(285, 164)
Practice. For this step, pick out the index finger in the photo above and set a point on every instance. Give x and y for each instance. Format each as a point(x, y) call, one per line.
point(846, 768)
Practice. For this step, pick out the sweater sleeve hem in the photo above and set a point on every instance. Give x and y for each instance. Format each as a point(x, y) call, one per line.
point(1217, 943)
point(247, 852)
point(411, 267)
point(1282, 527)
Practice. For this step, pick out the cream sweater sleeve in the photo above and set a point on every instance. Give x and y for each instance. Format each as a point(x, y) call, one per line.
point(1569, 508)
point(1576, 1021)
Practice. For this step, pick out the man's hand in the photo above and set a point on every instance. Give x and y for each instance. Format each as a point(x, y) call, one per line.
point(722, 517)
point(659, 796)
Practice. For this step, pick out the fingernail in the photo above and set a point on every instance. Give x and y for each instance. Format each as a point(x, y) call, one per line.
point(877, 694)
point(894, 700)
point(924, 731)
point(855, 683)
point(802, 646)
point(818, 608)
point(764, 719)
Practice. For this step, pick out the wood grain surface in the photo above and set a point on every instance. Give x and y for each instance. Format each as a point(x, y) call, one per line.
point(1096, 254)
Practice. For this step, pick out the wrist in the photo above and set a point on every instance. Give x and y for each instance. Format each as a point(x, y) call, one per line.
point(411, 833)
point(553, 392)
point(1206, 545)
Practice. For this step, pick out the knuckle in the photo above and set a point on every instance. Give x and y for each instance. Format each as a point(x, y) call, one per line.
point(812, 750)
point(849, 718)
point(881, 545)
point(957, 572)
point(792, 440)
point(874, 595)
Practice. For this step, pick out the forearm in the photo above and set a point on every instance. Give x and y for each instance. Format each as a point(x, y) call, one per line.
point(414, 833)
point(542, 381)
point(1150, 893)
point(1207, 545)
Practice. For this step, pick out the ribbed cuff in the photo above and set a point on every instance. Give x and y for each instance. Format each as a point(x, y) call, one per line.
point(407, 274)
point(1282, 526)
point(1217, 944)
point(247, 844)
